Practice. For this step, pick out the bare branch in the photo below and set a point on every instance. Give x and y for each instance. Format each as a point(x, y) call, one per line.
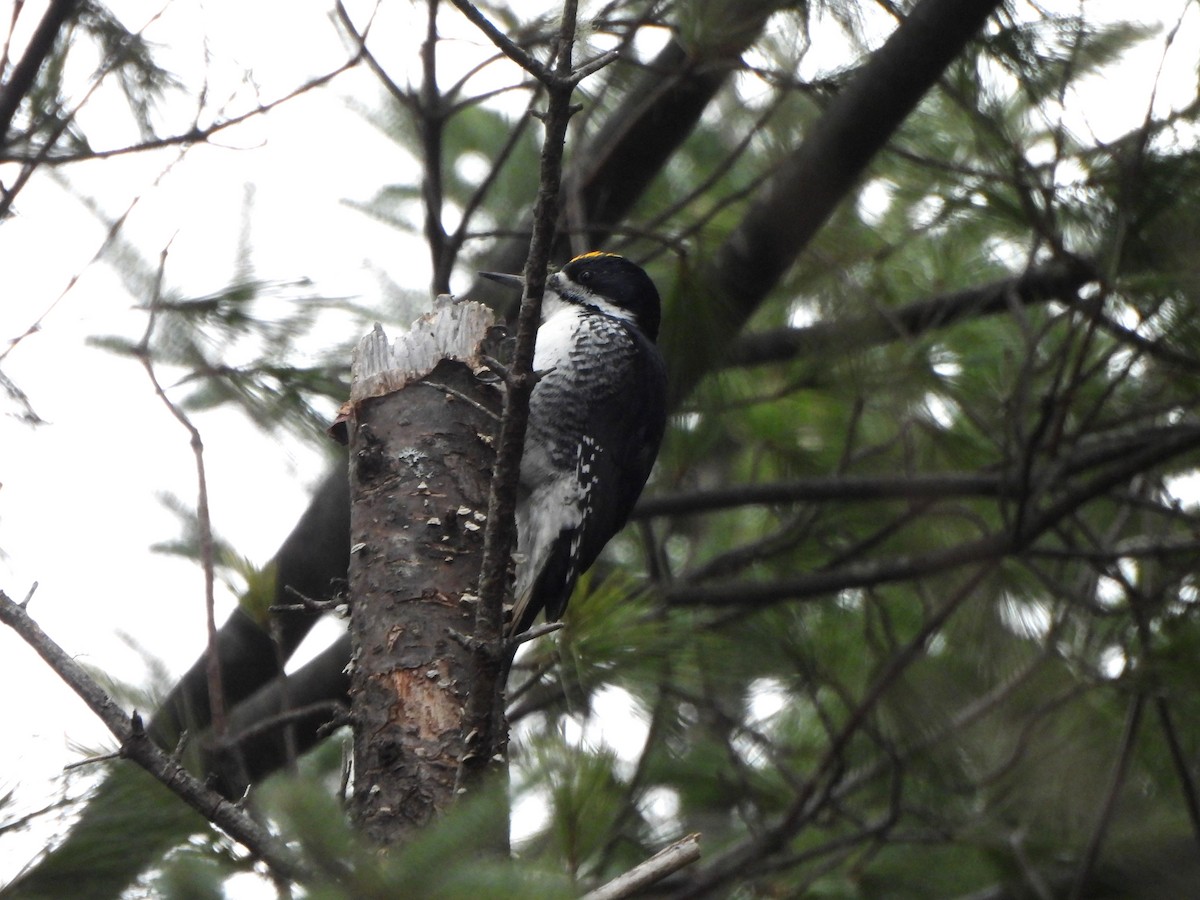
point(136, 745)
point(593, 66)
point(667, 861)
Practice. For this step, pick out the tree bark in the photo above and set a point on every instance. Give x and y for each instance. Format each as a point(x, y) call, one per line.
point(420, 460)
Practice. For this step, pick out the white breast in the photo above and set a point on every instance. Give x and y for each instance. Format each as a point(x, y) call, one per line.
point(557, 334)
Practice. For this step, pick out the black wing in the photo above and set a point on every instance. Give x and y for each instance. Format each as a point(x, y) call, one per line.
point(622, 428)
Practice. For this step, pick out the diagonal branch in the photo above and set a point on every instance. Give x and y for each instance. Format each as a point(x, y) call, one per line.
point(665, 862)
point(136, 745)
point(41, 43)
point(502, 42)
point(810, 182)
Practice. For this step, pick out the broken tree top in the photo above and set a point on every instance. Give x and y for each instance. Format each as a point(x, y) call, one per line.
point(455, 329)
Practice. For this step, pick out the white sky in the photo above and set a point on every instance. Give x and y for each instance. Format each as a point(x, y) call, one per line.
point(78, 505)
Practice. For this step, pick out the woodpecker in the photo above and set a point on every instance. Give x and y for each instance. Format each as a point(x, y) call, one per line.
point(596, 418)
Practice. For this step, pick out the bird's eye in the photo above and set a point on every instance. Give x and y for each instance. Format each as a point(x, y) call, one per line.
point(585, 276)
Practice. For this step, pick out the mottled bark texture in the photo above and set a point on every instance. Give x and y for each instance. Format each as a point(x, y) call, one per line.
point(420, 461)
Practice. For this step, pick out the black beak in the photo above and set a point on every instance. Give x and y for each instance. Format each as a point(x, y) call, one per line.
point(514, 281)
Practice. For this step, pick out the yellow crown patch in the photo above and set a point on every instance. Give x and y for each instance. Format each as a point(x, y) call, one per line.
point(595, 254)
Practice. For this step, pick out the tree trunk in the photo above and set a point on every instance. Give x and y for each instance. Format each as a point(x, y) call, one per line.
point(421, 455)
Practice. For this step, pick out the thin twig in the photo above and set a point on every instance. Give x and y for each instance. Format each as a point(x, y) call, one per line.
point(195, 134)
point(92, 760)
point(534, 633)
point(446, 389)
point(216, 693)
point(506, 46)
point(1179, 758)
point(1117, 780)
point(110, 237)
point(309, 604)
point(1138, 604)
point(15, 824)
point(846, 489)
point(403, 95)
point(462, 232)
point(31, 163)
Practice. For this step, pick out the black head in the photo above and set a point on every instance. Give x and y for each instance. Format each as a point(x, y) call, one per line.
point(605, 279)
